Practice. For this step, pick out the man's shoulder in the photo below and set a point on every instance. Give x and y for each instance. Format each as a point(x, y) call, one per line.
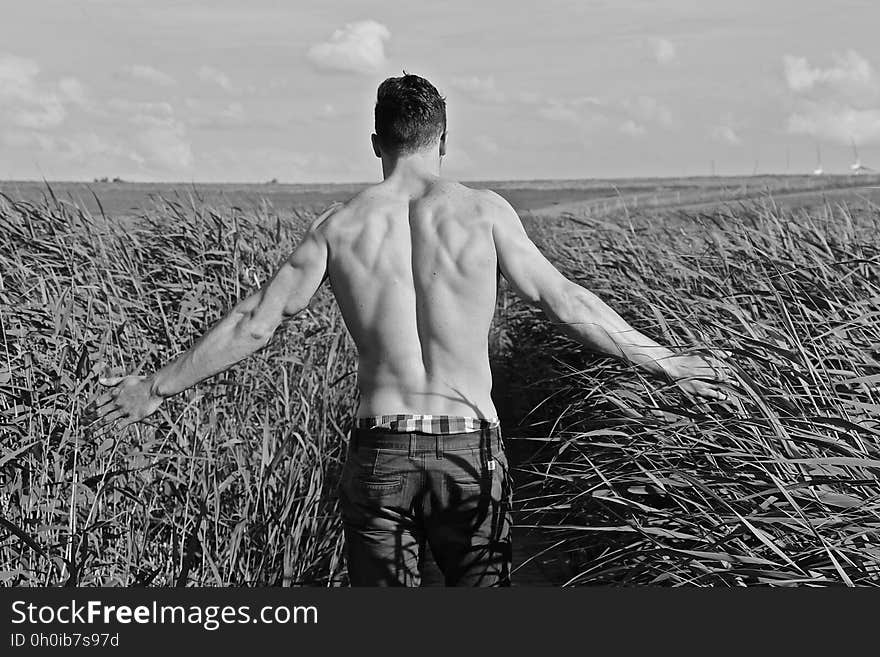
point(364, 200)
point(456, 186)
point(493, 206)
point(320, 223)
point(337, 213)
point(484, 199)
point(495, 200)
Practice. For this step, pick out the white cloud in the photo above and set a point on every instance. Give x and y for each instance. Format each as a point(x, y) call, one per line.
point(482, 89)
point(17, 72)
point(145, 73)
point(233, 112)
point(79, 148)
point(587, 113)
point(485, 90)
point(631, 128)
point(356, 48)
point(216, 76)
point(203, 114)
point(559, 111)
point(83, 146)
point(725, 134)
point(330, 112)
point(133, 109)
point(128, 134)
point(165, 146)
point(73, 91)
point(851, 74)
point(583, 111)
point(591, 112)
point(664, 51)
point(631, 115)
point(24, 102)
point(159, 138)
point(26, 139)
point(648, 110)
point(47, 112)
point(840, 102)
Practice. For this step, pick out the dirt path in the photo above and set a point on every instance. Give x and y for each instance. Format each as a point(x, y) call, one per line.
point(787, 198)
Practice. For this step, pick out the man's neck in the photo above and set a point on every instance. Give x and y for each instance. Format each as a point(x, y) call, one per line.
point(412, 167)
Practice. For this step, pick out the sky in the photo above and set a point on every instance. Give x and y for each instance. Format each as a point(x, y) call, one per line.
point(222, 91)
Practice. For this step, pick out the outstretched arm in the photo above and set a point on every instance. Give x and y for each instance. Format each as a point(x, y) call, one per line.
point(246, 328)
point(582, 315)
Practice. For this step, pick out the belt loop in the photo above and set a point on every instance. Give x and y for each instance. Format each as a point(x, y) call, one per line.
point(412, 444)
point(438, 446)
point(487, 441)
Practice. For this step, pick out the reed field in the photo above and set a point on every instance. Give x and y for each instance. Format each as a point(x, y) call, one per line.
point(623, 479)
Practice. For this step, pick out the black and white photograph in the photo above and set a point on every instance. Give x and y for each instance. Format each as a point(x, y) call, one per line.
point(369, 294)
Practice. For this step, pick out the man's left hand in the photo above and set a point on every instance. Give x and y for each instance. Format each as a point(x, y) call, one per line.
point(698, 375)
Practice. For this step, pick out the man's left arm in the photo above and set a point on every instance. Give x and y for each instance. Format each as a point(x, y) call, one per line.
point(246, 328)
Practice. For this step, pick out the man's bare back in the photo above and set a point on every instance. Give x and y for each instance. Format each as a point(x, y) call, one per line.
point(413, 262)
point(413, 267)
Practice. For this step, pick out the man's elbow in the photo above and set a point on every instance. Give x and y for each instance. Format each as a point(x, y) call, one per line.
point(255, 331)
point(261, 336)
point(571, 304)
point(261, 328)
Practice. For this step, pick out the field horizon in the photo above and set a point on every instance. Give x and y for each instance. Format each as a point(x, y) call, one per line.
point(538, 195)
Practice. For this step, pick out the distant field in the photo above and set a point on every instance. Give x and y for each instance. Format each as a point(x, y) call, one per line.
point(544, 197)
point(621, 479)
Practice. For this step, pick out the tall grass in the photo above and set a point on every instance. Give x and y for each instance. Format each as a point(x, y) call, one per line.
point(633, 484)
point(234, 484)
point(642, 486)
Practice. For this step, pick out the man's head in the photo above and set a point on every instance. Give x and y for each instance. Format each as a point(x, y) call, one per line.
point(410, 117)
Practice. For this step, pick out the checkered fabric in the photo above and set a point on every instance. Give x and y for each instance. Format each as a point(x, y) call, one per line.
point(436, 424)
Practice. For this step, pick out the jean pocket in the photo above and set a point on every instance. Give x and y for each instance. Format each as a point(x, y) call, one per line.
point(465, 472)
point(373, 485)
point(381, 473)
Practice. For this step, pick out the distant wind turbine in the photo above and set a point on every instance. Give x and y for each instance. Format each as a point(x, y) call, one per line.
point(857, 167)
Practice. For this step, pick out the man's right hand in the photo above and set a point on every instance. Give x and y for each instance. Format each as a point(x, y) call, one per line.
point(698, 375)
point(129, 399)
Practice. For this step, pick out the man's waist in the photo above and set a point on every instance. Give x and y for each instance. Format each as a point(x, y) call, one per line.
point(433, 424)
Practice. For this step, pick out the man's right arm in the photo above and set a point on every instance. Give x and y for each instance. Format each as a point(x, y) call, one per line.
point(582, 315)
point(244, 330)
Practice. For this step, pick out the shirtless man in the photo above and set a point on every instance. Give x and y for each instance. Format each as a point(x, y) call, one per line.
point(412, 262)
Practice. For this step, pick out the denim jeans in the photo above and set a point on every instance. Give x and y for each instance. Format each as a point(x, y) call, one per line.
point(399, 491)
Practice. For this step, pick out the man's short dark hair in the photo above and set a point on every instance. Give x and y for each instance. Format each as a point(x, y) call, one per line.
point(410, 114)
